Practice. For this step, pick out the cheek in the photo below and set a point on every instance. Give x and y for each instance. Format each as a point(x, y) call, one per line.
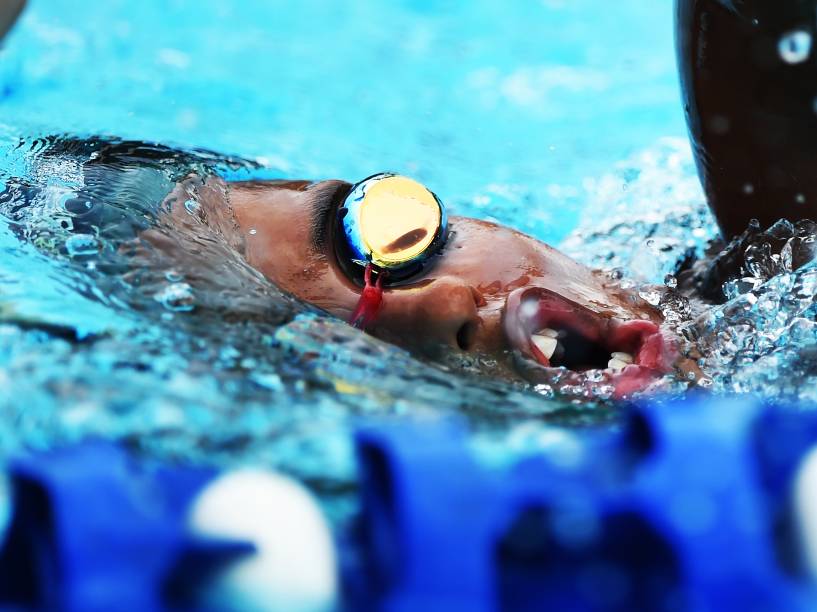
point(284, 256)
point(318, 282)
point(492, 270)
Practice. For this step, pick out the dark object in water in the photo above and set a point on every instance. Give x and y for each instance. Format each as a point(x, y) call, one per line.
point(748, 71)
point(9, 12)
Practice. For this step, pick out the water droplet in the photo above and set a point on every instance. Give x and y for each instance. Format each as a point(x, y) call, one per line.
point(192, 207)
point(795, 47)
point(253, 232)
point(748, 189)
point(81, 245)
point(267, 380)
point(229, 353)
point(651, 296)
point(800, 198)
point(173, 276)
point(177, 297)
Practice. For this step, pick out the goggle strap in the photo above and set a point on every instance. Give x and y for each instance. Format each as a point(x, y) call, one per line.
point(371, 299)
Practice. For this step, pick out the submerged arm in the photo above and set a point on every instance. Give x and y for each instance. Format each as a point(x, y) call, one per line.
point(9, 12)
point(748, 71)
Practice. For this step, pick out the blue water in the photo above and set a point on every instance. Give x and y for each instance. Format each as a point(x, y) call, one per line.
point(518, 112)
point(504, 108)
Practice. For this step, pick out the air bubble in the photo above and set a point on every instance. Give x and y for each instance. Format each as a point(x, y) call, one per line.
point(651, 296)
point(81, 245)
point(795, 47)
point(595, 376)
point(177, 297)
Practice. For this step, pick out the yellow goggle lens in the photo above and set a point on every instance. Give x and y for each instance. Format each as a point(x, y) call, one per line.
point(399, 219)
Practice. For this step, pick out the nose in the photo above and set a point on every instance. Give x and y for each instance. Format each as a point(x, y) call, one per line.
point(444, 312)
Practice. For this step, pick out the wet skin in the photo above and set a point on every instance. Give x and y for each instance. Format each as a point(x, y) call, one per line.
point(486, 293)
point(752, 115)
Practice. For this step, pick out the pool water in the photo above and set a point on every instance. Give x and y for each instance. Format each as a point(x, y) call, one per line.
point(559, 118)
point(503, 108)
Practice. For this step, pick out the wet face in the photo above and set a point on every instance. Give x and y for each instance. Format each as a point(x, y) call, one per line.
point(491, 291)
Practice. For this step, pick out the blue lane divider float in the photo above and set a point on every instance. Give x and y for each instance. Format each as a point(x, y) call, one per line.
point(704, 504)
point(688, 507)
point(94, 528)
point(84, 537)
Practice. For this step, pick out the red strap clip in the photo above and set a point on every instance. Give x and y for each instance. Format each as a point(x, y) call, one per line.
point(371, 299)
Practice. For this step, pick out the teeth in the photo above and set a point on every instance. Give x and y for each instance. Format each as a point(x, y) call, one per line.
point(546, 344)
point(617, 365)
point(625, 357)
point(619, 361)
point(548, 333)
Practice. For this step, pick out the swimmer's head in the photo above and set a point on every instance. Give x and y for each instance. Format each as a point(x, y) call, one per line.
point(461, 286)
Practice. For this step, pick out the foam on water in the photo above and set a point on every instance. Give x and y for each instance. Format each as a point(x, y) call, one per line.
point(764, 339)
point(649, 216)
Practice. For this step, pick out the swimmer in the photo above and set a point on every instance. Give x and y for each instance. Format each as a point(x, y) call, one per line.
point(383, 255)
point(436, 285)
point(748, 70)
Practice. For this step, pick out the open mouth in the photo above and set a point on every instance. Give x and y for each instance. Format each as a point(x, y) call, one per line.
point(556, 333)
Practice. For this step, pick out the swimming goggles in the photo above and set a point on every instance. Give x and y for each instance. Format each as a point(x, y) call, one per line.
point(390, 226)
